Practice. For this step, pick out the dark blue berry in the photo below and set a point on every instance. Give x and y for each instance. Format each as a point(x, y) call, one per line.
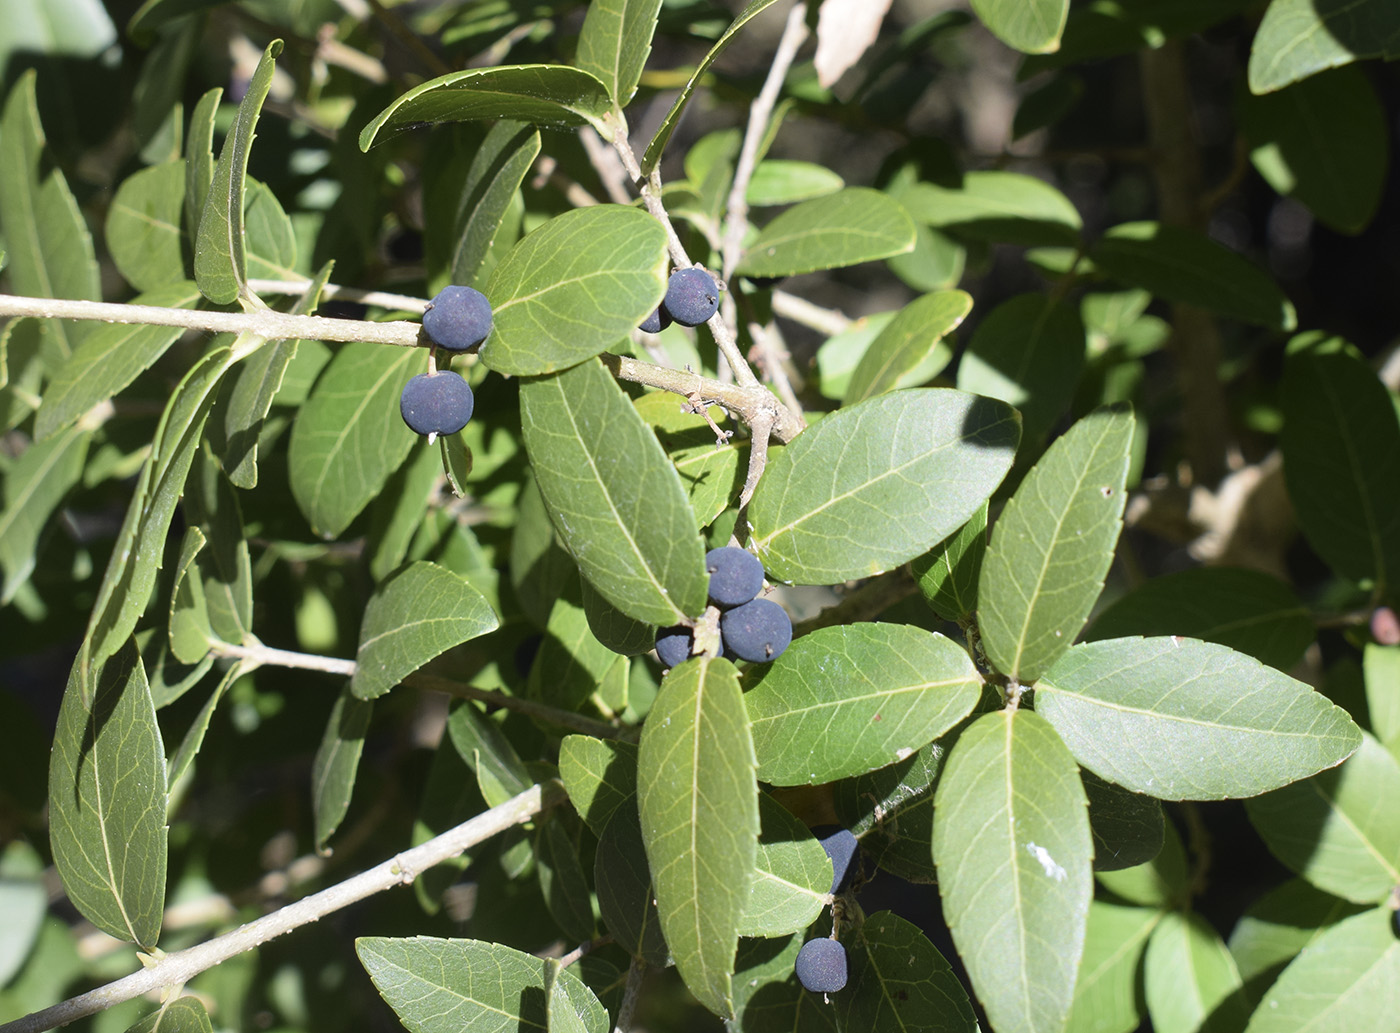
point(691, 297)
point(457, 319)
point(656, 322)
point(674, 645)
point(436, 403)
point(843, 848)
point(735, 575)
point(758, 631)
point(821, 966)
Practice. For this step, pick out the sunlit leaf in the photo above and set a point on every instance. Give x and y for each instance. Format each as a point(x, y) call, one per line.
point(851, 226)
point(615, 41)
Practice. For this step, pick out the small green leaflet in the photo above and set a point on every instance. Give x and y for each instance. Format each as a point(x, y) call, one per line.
point(698, 801)
point(143, 228)
point(34, 486)
point(1190, 977)
point(851, 226)
point(614, 43)
point(420, 612)
point(496, 172)
point(1105, 994)
point(182, 1015)
point(913, 338)
point(1032, 26)
point(1181, 719)
point(948, 573)
point(1298, 38)
point(337, 760)
point(1128, 828)
point(107, 799)
point(1160, 883)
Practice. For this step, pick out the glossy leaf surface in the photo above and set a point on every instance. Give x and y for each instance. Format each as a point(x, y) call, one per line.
point(614, 43)
point(851, 226)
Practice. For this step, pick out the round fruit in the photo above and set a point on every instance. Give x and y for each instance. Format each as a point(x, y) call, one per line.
point(843, 848)
point(656, 322)
point(758, 631)
point(457, 319)
point(821, 966)
point(691, 297)
point(436, 403)
point(735, 575)
point(674, 645)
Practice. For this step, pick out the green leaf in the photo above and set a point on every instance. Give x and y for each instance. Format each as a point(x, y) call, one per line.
point(767, 996)
point(571, 663)
point(498, 167)
point(779, 181)
point(613, 628)
point(874, 485)
point(418, 613)
point(1105, 995)
point(35, 485)
point(1029, 352)
point(1341, 462)
point(450, 796)
point(1127, 827)
point(562, 883)
point(599, 775)
point(109, 359)
point(625, 894)
point(220, 266)
point(1012, 844)
point(1249, 611)
point(143, 226)
point(1032, 26)
point(189, 747)
point(1381, 666)
point(1190, 977)
point(849, 699)
point(1053, 544)
point(1162, 883)
point(614, 43)
point(1278, 926)
point(182, 1015)
point(900, 981)
point(107, 800)
point(891, 811)
point(791, 879)
point(1324, 142)
point(152, 14)
point(1181, 719)
point(189, 632)
point(48, 248)
point(1337, 829)
point(912, 338)
point(23, 902)
point(657, 147)
point(1004, 207)
point(199, 158)
point(349, 437)
point(542, 95)
point(480, 742)
point(259, 380)
point(851, 226)
point(698, 802)
point(948, 573)
point(615, 499)
point(337, 761)
point(573, 287)
point(540, 569)
point(270, 241)
point(446, 986)
point(713, 473)
point(1298, 38)
point(1348, 978)
point(1187, 267)
point(226, 568)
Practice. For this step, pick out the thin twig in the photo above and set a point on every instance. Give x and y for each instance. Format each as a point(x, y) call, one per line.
point(547, 171)
point(334, 291)
point(630, 994)
point(553, 715)
point(824, 320)
point(865, 603)
point(256, 655)
point(760, 112)
point(773, 362)
point(399, 870)
point(606, 162)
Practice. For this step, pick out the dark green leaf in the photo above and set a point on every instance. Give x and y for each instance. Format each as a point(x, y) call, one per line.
point(1105, 994)
point(1005, 207)
point(574, 287)
point(337, 761)
point(614, 43)
point(614, 497)
point(1160, 883)
point(143, 226)
point(891, 811)
point(600, 776)
point(767, 996)
point(226, 567)
point(188, 750)
point(1381, 667)
point(107, 799)
point(625, 894)
point(480, 742)
point(349, 437)
point(1247, 610)
point(912, 340)
point(270, 241)
point(1324, 142)
point(613, 628)
point(948, 573)
point(1337, 829)
point(1053, 544)
point(874, 485)
point(35, 485)
point(182, 1015)
point(1181, 719)
point(539, 567)
point(1188, 267)
point(1190, 978)
point(698, 802)
point(571, 663)
point(220, 266)
point(1298, 38)
point(1032, 26)
point(496, 172)
point(450, 797)
point(189, 632)
point(792, 877)
point(1127, 826)
point(566, 892)
point(1341, 462)
point(152, 14)
point(418, 613)
point(900, 981)
point(1029, 352)
point(447, 986)
point(849, 699)
point(544, 95)
point(199, 158)
point(1011, 840)
point(851, 226)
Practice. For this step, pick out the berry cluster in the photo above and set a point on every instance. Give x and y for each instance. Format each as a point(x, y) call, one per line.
point(457, 320)
point(821, 963)
point(752, 629)
point(692, 297)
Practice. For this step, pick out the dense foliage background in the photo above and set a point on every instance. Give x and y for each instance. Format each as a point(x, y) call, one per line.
point(1143, 251)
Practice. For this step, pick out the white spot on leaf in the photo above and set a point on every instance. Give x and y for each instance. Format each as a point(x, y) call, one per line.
point(1047, 862)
